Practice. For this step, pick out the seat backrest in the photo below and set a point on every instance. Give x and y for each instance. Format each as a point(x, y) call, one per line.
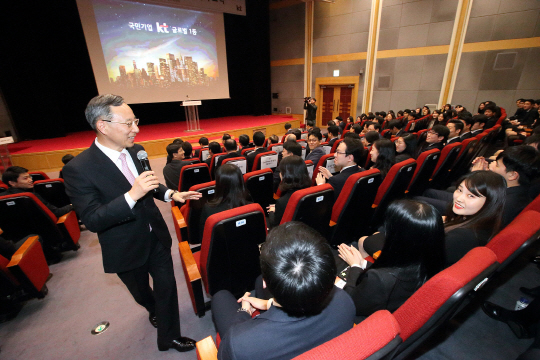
point(213, 164)
point(312, 206)
point(240, 162)
point(326, 161)
point(304, 135)
point(23, 214)
point(352, 209)
point(387, 134)
point(229, 256)
point(426, 163)
point(438, 299)
point(511, 241)
point(534, 205)
point(8, 283)
point(246, 151)
point(52, 190)
point(464, 158)
point(276, 147)
point(204, 153)
point(38, 175)
point(336, 144)
point(265, 160)
point(393, 186)
point(194, 174)
point(192, 160)
point(259, 183)
point(310, 168)
point(192, 212)
point(373, 338)
point(449, 154)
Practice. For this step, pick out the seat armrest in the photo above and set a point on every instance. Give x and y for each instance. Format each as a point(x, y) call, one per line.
point(206, 349)
point(180, 225)
point(188, 260)
point(69, 226)
point(29, 266)
point(193, 278)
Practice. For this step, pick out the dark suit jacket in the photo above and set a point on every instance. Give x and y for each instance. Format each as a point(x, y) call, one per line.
point(228, 156)
point(339, 180)
point(332, 141)
point(96, 187)
point(490, 122)
point(455, 140)
point(466, 136)
point(281, 205)
point(460, 241)
point(315, 155)
point(517, 198)
point(251, 157)
point(476, 132)
point(437, 145)
point(276, 335)
point(171, 173)
point(56, 211)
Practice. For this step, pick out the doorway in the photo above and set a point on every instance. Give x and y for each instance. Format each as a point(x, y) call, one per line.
point(338, 97)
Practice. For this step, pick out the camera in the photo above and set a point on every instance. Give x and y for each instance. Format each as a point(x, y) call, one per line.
point(307, 98)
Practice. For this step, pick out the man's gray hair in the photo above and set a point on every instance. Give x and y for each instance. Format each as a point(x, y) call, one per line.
point(99, 108)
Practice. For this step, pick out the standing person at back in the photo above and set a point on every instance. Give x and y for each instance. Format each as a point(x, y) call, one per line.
point(258, 140)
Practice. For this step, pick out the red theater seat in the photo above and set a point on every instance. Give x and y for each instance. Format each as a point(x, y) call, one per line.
point(261, 159)
point(193, 174)
point(442, 174)
point(464, 158)
point(426, 163)
point(213, 164)
point(38, 175)
point(52, 190)
point(239, 161)
point(326, 161)
point(260, 186)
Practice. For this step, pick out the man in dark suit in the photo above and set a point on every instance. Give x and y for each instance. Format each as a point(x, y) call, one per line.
point(203, 142)
point(478, 124)
point(455, 127)
point(305, 309)
point(467, 122)
point(436, 138)
point(348, 155)
point(333, 134)
point(171, 171)
point(231, 148)
point(258, 140)
point(491, 113)
point(316, 151)
point(115, 198)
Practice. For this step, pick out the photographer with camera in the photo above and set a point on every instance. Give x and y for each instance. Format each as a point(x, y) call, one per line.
point(309, 105)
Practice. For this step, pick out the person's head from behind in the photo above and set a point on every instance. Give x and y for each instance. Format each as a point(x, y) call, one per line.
point(331, 123)
point(533, 140)
point(17, 177)
point(175, 151)
point(349, 152)
point(455, 127)
point(273, 139)
point(258, 139)
point(298, 268)
point(294, 174)
point(297, 133)
point(291, 148)
point(478, 122)
point(290, 137)
point(188, 149)
point(519, 165)
point(395, 126)
point(225, 137)
point(314, 139)
point(438, 133)
point(383, 155)
point(310, 124)
point(478, 202)
point(243, 140)
point(214, 148)
point(178, 141)
point(406, 144)
point(371, 137)
point(230, 145)
point(333, 131)
point(351, 135)
point(203, 141)
point(67, 158)
point(414, 234)
point(357, 128)
point(230, 187)
point(287, 126)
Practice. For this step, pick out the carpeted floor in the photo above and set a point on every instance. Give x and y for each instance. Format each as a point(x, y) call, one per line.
point(81, 295)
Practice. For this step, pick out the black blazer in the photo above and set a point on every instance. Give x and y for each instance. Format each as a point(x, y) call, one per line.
point(251, 157)
point(437, 145)
point(338, 181)
point(466, 136)
point(460, 241)
point(228, 156)
point(96, 188)
point(455, 140)
point(171, 173)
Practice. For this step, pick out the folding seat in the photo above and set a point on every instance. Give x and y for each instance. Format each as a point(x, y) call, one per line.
point(312, 206)
point(239, 161)
point(186, 219)
point(440, 297)
point(302, 142)
point(464, 158)
point(245, 152)
point(351, 213)
point(265, 143)
point(22, 278)
point(368, 159)
point(425, 165)
point(336, 144)
point(392, 188)
point(52, 190)
point(327, 148)
point(192, 175)
point(276, 147)
point(283, 138)
point(326, 161)
point(229, 256)
point(23, 214)
point(265, 160)
point(192, 161)
point(260, 184)
point(409, 126)
point(442, 174)
point(310, 168)
point(38, 175)
point(534, 205)
point(304, 135)
point(387, 134)
point(3, 187)
point(203, 154)
point(213, 164)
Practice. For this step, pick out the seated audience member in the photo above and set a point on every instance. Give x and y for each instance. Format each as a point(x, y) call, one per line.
point(224, 138)
point(331, 123)
point(232, 151)
point(519, 110)
point(175, 141)
point(291, 137)
point(383, 156)
point(425, 110)
point(348, 156)
point(480, 110)
point(297, 133)
point(461, 110)
point(342, 124)
point(467, 122)
point(455, 127)
point(203, 142)
point(230, 193)
point(305, 309)
point(473, 216)
point(533, 140)
point(405, 147)
point(309, 125)
point(418, 111)
point(529, 114)
point(370, 138)
point(9, 247)
point(333, 134)
point(213, 149)
point(171, 171)
point(258, 140)
point(373, 126)
point(478, 124)
point(65, 159)
point(294, 176)
point(413, 252)
point(288, 128)
point(244, 142)
point(396, 127)
point(289, 148)
point(19, 181)
point(436, 138)
point(490, 111)
point(412, 116)
point(273, 139)
point(357, 129)
point(315, 147)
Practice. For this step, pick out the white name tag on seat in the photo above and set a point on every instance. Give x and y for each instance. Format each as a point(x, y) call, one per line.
point(269, 161)
point(242, 165)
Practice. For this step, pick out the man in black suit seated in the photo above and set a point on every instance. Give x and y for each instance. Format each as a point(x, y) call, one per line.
point(288, 129)
point(232, 151)
point(528, 117)
point(396, 127)
point(203, 142)
point(478, 124)
point(455, 127)
point(258, 140)
point(316, 151)
point(171, 171)
point(467, 122)
point(301, 306)
point(436, 138)
point(244, 142)
point(333, 134)
point(348, 155)
point(290, 147)
point(491, 112)
point(213, 149)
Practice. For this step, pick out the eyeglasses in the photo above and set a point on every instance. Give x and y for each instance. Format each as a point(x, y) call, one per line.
point(342, 153)
point(128, 123)
point(313, 140)
point(432, 132)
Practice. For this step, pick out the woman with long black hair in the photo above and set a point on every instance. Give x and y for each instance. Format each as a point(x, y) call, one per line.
point(383, 155)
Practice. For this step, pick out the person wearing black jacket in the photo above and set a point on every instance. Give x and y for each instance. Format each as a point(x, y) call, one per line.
point(231, 148)
point(311, 108)
point(258, 140)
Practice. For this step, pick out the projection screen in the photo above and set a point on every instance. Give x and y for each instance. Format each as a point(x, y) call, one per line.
point(151, 53)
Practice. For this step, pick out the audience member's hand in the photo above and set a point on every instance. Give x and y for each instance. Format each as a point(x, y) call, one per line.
point(479, 163)
point(186, 195)
point(271, 208)
point(326, 173)
point(254, 302)
point(350, 254)
point(143, 183)
point(320, 179)
point(245, 304)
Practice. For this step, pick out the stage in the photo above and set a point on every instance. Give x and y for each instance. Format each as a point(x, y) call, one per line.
point(45, 155)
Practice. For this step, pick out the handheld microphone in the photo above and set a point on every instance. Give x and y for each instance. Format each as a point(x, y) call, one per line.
point(145, 163)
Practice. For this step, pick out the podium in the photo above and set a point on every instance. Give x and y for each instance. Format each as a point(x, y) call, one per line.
point(192, 114)
point(5, 157)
